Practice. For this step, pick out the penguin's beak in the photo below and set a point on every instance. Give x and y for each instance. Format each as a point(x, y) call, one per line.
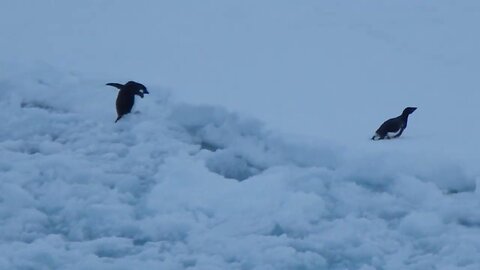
point(145, 91)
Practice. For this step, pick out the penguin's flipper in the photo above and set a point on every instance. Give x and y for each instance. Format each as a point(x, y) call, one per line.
point(116, 85)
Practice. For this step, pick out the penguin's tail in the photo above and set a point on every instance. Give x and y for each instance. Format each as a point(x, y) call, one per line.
point(376, 137)
point(118, 118)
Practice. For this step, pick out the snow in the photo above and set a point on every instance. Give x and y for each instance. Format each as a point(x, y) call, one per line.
point(252, 149)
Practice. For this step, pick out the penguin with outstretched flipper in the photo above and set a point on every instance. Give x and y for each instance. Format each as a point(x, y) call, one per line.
point(126, 96)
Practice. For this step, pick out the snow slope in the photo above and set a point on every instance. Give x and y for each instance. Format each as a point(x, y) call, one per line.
point(180, 186)
point(177, 185)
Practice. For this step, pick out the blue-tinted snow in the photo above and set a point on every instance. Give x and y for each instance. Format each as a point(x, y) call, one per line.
point(194, 180)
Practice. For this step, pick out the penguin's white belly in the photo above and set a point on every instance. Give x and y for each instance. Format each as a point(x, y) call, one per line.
point(393, 134)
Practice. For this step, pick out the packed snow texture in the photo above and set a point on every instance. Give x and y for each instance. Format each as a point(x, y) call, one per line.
point(177, 185)
point(181, 186)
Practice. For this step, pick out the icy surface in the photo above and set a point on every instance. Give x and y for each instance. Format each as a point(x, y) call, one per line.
point(181, 184)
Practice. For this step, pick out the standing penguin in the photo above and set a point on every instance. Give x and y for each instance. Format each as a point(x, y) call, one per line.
point(394, 127)
point(126, 96)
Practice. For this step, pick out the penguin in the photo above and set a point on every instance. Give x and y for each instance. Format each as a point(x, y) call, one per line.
point(394, 127)
point(126, 96)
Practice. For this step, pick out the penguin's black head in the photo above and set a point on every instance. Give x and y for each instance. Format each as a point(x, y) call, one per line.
point(139, 93)
point(138, 88)
point(409, 110)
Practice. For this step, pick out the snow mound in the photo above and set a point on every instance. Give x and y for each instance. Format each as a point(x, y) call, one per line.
point(180, 186)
